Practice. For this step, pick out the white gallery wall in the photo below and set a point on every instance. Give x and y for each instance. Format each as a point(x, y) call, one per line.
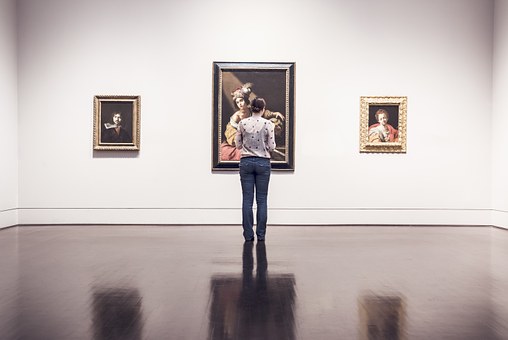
point(8, 115)
point(500, 117)
point(437, 53)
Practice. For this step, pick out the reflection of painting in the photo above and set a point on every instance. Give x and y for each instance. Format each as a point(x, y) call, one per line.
point(382, 317)
point(235, 85)
point(117, 314)
point(252, 306)
point(383, 124)
point(116, 123)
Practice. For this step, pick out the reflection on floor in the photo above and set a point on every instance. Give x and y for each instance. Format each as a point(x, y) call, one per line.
point(116, 313)
point(146, 282)
point(260, 307)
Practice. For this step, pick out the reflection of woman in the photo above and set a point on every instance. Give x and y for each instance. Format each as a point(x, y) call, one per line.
point(228, 150)
point(115, 133)
point(382, 131)
point(260, 306)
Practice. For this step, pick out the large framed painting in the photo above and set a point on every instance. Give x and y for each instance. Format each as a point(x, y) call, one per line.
point(383, 124)
point(235, 84)
point(116, 123)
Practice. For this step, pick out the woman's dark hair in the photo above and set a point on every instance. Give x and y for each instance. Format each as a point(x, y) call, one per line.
point(257, 104)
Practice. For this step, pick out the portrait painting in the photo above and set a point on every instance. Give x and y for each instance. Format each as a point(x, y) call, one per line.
point(116, 122)
point(383, 124)
point(235, 85)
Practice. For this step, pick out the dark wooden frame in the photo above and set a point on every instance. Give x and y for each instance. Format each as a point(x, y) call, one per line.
point(272, 81)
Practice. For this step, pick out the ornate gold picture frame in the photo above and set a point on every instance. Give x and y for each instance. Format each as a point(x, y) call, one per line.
point(116, 123)
point(383, 124)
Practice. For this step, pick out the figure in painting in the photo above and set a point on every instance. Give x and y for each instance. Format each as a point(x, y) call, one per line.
point(228, 150)
point(114, 132)
point(382, 131)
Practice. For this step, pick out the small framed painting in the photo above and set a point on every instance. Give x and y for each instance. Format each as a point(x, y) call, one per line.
point(116, 123)
point(383, 124)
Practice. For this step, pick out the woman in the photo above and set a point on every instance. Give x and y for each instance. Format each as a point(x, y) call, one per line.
point(382, 131)
point(255, 139)
point(228, 151)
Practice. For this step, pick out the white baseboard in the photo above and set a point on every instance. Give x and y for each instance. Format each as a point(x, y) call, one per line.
point(196, 216)
point(382, 217)
point(129, 216)
point(500, 218)
point(8, 218)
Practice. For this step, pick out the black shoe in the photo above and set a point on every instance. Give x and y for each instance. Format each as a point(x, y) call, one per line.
point(250, 240)
point(261, 239)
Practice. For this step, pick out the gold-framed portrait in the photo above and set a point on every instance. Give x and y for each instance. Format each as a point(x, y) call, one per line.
point(383, 124)
point(116, 122)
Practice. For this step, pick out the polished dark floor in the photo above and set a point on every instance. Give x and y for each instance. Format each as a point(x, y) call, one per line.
point(145, 282)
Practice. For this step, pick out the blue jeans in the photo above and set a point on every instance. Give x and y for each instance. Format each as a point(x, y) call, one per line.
point(255, 176)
